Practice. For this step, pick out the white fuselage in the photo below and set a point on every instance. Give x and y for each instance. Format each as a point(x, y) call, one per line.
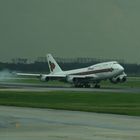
point(99, 71)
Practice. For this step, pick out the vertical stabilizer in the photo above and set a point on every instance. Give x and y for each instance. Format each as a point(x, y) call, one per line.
point(53, 66)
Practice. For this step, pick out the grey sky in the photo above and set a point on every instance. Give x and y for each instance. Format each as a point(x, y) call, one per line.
point(70, 28)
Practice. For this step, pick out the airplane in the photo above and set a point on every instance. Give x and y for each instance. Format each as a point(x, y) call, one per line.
point(83, 77)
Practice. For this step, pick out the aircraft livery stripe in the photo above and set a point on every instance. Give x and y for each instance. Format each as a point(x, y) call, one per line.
point(94, 71)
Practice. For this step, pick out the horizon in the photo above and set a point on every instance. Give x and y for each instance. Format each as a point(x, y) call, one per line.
point(67, 60)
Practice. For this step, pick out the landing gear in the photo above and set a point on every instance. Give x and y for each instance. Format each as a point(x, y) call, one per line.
point(86, 85)
point(81, 85)
point(78, 85)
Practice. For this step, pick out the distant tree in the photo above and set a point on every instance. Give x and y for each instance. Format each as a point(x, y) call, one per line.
point(41, 65)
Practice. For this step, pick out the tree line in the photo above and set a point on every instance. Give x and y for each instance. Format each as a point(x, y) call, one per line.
point(41, 66)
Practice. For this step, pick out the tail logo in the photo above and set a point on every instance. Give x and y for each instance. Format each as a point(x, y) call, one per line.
point(52, 65)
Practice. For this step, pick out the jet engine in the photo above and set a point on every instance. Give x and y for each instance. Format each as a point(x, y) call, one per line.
point(118, 79)
point(44, 78)
point(70, 79)
point(74, 79)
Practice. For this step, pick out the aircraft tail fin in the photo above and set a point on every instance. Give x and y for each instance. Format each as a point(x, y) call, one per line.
point(53, 66)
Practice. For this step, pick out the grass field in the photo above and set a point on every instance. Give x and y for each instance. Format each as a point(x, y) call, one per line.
point(132, 82)
point(116, 103)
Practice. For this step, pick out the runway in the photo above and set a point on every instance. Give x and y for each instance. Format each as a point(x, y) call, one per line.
point(5, 86)
point(34, 124)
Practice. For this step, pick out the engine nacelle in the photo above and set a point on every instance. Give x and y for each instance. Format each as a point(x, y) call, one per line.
point(70, 79)
point(44, 78)
point(122, 79)
point(118, 79)
point(115, 80)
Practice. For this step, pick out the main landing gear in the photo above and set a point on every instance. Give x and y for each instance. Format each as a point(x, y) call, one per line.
point(87, 85)
point(81, 85)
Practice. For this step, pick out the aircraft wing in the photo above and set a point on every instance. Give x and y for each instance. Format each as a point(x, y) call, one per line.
point(59, 76)
point(28, 74)
point(55, 75)
point(41, 75)
point(84, 76)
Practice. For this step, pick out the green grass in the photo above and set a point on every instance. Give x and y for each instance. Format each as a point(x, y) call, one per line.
point(132, 82)
point(116, 103)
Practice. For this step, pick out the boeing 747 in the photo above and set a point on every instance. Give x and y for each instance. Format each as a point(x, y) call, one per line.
point(83, 77)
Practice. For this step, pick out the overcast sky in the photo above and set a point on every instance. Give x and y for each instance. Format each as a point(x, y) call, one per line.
point(70, 28)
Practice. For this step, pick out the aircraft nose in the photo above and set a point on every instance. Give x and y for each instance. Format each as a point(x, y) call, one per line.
point(121, 68)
